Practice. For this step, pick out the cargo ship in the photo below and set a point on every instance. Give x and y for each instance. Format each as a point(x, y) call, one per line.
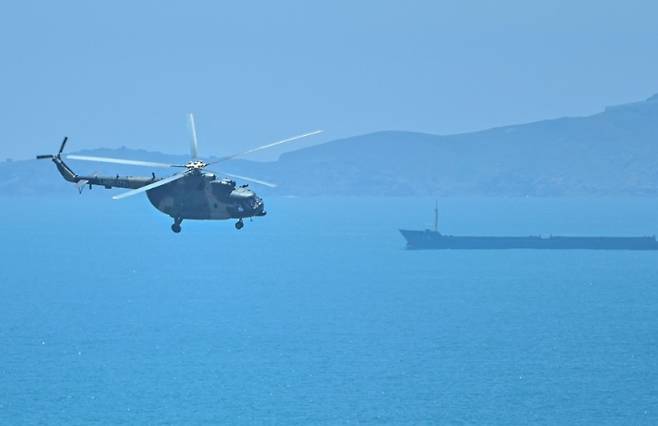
point(433, 239)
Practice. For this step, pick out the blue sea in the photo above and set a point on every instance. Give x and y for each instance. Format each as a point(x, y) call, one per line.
point(316, 315)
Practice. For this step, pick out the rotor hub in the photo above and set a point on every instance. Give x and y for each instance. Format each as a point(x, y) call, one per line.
point(196, 165)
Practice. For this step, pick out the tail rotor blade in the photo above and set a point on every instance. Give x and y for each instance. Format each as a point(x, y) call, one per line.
point(61, 148)
point(51, 156)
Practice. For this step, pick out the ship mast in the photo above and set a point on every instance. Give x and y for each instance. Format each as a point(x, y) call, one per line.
point(436, 216)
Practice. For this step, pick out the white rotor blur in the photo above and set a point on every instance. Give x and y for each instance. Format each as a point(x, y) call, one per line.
point(193, 166)
point(194, 149)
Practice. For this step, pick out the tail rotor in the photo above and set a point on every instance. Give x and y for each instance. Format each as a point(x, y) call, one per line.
point(61, 148)
point(51, 156)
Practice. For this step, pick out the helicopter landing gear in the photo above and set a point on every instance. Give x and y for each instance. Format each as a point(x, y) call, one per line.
point(176, 226)
point(239, 224)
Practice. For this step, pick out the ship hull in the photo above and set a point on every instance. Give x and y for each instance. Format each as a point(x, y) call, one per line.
point(422, 240)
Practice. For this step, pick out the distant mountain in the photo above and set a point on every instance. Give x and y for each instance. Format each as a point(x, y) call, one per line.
point(614, 152)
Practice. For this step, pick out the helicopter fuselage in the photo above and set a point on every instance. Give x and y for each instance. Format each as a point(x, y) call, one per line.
point(202, 196)
point(198, 195)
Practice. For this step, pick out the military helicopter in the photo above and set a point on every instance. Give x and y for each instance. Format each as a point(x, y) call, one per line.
point(195, 193)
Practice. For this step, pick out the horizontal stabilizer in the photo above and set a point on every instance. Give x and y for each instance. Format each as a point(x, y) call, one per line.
point(81, 184)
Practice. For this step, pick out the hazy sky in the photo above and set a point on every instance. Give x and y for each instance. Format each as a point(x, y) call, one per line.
point(126, 73)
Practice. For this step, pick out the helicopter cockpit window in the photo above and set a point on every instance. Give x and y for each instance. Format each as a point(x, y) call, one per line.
point(221, 189)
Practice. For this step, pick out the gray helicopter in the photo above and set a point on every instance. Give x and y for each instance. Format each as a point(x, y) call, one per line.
point(195, 193)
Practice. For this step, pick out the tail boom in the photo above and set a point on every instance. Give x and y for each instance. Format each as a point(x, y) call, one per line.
point(129, 182)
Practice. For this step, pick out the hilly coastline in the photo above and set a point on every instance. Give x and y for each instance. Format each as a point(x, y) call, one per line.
point(614, 152)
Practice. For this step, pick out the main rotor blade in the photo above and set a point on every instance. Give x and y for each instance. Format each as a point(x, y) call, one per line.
point(194, 149)
point(269, 145)
point(248, 179)
point(120, 161)
point(150, 186)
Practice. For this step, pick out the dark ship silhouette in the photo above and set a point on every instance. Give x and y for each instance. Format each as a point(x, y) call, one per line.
point(433, 239)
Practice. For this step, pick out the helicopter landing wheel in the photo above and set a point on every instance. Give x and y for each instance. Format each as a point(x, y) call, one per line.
point(239, 224)
point(176, 226)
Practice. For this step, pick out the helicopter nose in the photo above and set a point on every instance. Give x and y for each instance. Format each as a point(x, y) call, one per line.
point(258, 207)
point(248, 203)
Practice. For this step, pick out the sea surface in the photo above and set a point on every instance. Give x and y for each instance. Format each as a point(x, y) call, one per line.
point(316, 315)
